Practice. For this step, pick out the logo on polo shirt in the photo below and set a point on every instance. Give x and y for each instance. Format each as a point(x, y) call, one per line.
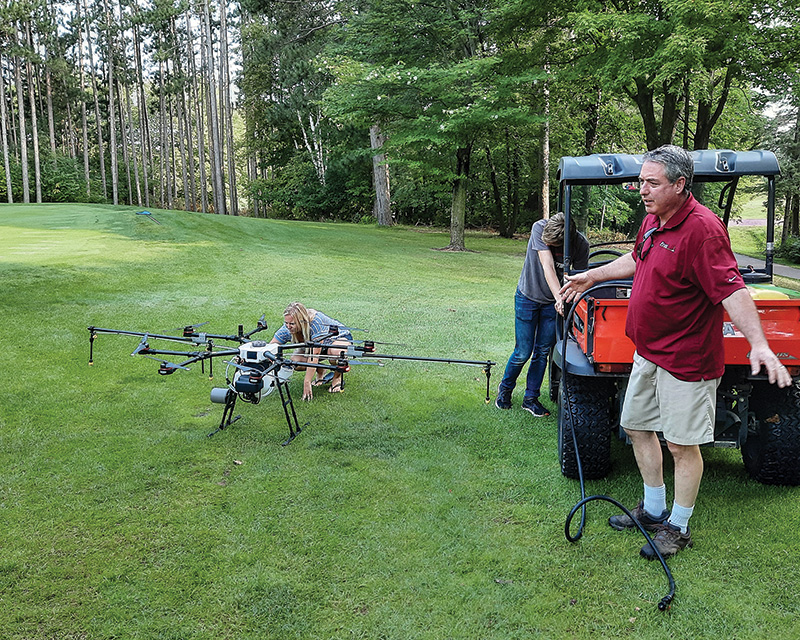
point(664, 245)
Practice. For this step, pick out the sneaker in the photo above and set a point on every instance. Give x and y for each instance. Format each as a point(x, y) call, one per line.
point(503, 400)
point(535, 408)
point(668, 540)
point(650, 523)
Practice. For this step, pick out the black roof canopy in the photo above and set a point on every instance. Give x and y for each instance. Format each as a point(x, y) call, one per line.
point(710, 165)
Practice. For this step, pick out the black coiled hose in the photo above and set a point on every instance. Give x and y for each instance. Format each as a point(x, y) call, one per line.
point(666, 601)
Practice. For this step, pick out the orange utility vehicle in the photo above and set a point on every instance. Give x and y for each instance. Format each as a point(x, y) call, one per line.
point(753, 415)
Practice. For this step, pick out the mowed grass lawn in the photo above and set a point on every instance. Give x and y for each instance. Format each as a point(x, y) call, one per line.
point(407, 508)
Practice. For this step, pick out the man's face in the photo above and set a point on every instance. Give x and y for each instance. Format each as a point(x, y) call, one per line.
point(661, 197)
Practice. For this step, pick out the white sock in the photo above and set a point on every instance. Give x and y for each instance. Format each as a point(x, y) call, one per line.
point(680, 516)
point(655, 500)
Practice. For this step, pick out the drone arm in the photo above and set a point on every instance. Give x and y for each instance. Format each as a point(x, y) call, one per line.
point(192, 356)
point(260, 326)
point(95, 330)
point(210, 355)
point(169, 352)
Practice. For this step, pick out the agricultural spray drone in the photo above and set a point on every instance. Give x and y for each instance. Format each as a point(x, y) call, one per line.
point(256, 368)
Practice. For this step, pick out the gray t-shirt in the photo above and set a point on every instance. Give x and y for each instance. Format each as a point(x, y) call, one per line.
point(532, 283)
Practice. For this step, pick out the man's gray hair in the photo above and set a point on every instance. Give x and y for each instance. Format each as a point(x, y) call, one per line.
point(677, 163)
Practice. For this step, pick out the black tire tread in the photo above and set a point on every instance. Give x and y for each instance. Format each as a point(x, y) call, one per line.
point(586, 408)
point(772, 452)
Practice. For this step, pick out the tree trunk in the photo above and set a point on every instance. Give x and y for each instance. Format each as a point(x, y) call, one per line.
point(173, 173)
point(187, 195)
point(162, 138)
point(51, 125)
point(23, 138)
point(656, 133)
point(134, 157)
point(112, 117)
point(498, 199)
point(98, 121)
point(4, 134)
point(123, 130)
point(708, 114)
point(84, 119)
point(187, 126)
point(213, 124)
point(227, 111)
point(458, 209)
point(591, 127)
point(545, 191)
point(382, 209)
point(512, 224)
point(196, 100)
point(37, 169)
point(144, 120)
point(791, 216)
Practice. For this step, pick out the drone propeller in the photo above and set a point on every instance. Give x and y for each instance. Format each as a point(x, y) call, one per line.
point(375, 362)
point(188, 330)
point(167, 367)
point(367, 343)
point(142, 346)
point(336, 329)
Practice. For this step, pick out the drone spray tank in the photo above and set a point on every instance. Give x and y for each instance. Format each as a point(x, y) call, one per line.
point(257, 373)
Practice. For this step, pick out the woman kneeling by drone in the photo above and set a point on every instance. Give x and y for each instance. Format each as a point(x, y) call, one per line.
point(309, 325)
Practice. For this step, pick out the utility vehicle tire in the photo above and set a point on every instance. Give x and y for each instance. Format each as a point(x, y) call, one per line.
point(772, 449)
point(554, 380)
point(584, 405)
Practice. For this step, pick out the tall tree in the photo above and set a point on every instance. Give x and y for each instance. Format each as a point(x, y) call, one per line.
point(31, 78)
point(217, 164)
point(382, 209)
point(196, 100)
point(226, 107)
point(674, 59)
point(431, 73)
point(4, 134)
point(112, 119)
point(23, 136)
point(96, 93)
point(84, 120)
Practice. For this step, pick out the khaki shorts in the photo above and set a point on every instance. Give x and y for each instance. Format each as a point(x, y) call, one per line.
point(657, 401)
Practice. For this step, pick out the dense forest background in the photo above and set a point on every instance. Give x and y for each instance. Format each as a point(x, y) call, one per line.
point(443, 112)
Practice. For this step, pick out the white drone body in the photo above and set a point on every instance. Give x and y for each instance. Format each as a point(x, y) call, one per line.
point(250, 381)
point(261, 354)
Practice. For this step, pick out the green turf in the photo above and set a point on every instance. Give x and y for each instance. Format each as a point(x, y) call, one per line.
point(408, 508)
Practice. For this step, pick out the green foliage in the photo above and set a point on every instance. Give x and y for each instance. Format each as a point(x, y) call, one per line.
point(671, 55)
point(295, 192)
point(62, 180)
point(789, 250)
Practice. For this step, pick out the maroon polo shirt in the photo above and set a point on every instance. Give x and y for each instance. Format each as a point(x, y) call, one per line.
point(687, 270)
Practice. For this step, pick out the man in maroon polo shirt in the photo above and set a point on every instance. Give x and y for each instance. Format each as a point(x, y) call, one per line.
point(684, 276)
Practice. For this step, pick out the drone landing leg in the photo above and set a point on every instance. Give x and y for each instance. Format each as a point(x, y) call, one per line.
point(488, 372)
point(227, 421)
point(291, 419)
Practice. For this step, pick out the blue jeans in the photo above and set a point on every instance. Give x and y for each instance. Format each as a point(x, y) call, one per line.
point(535, 334)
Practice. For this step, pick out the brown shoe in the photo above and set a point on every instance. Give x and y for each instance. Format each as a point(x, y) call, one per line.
point(668, 540)
point(650, 523)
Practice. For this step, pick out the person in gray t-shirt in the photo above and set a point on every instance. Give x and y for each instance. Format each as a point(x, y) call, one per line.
point(536, 303)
